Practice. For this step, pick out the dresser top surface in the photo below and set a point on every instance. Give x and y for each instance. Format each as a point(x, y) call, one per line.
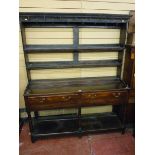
point(45, 87)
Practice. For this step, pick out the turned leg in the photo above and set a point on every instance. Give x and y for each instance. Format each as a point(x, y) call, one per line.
point(79, 122)
point(36, 114)
point(30, 124)
point(124, 118)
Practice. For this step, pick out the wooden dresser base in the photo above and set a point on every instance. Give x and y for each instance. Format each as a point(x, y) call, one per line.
point(76, 93)
point(72, 125)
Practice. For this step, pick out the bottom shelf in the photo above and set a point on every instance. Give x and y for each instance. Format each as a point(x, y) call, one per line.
point(44, 126)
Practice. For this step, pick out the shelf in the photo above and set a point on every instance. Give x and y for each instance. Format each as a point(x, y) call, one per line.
point(71, 64)
point(65, 48)
point(47, 48)
point(106, 47)
point(88, 123)
point(69, 18)
point(41, 87)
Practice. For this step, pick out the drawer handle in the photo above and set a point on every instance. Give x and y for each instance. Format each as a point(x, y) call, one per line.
point(42, 100)
point(116, 95)
point(67, 98)
point(90, 95)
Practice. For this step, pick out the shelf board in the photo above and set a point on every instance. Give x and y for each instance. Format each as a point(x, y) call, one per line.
point(73, 85)
point(72, 64)
point(65, 48)
point(104, 47)
point(47, 48)
point(89, 123)
point(81, 18)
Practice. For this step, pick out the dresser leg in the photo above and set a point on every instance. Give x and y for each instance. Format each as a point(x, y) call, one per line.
point(33, 139)
point(123, 130)
point(124, 118)
point(36, 114)
point(30, 125)
point(79, 123)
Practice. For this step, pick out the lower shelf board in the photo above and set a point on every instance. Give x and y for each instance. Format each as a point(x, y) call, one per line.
point(72, 125)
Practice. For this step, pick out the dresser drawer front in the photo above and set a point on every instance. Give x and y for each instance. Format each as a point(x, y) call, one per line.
point(103, 98)
point(52, 101)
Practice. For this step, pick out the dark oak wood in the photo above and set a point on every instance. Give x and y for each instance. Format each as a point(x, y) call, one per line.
point(74, 18)
point(76, 93)
point(66, 48)
point(103, 98)
point(53, 101)
point(129, 77)
point(72, 64)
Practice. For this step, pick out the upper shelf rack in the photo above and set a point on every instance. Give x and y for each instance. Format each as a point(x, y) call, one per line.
point(76, 21)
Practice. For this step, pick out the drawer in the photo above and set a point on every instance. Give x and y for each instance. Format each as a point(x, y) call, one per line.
point(52, 101)
point(103, 98)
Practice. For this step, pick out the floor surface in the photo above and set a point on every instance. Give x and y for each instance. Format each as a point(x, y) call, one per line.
point(96, 144)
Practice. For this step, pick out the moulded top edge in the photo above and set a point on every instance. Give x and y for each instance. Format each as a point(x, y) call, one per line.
point(72, 17)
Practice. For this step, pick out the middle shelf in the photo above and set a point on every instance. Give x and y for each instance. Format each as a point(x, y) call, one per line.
point(64, 48)
point(72, 64)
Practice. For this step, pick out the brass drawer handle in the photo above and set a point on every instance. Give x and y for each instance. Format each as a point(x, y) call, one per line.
point(116, 94)
point(42, 100)
point(67, 98)
point(92, 95)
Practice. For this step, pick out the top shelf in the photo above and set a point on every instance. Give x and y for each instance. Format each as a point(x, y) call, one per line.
point(82, 18)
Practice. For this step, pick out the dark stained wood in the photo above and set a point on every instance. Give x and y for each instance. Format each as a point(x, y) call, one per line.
point(129, 77)
point(79, 99)
point(130, 113)
point(48, 87)
point(75, 44)
point(26, 58)
point(66, 48)
point(73, 64)
point(76, 93)
point(129, 66)
point(74, 18)
point(68, 125)
point(129, 71)
point(52, 102)
point(103, 98)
